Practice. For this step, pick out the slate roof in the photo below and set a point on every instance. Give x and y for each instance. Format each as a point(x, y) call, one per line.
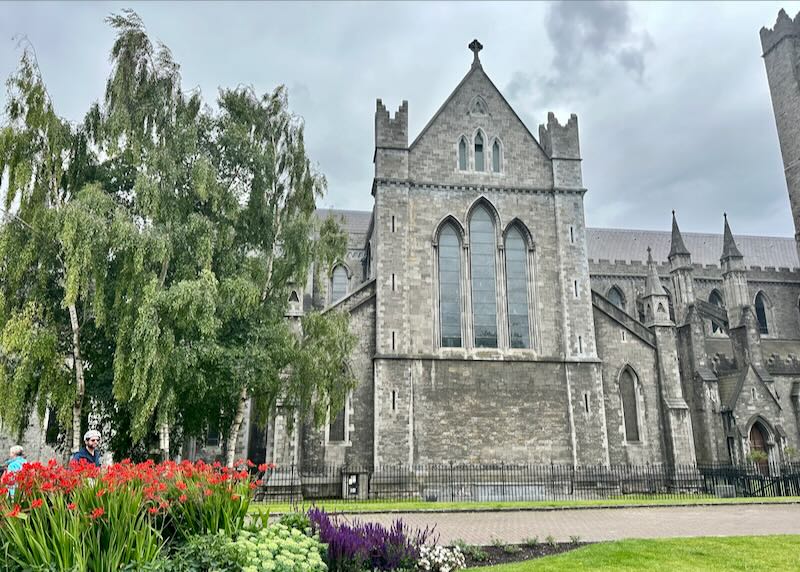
point(354, 223)
point(623, 244)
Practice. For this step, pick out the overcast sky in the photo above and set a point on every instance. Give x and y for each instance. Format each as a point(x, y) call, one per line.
point(672, 99)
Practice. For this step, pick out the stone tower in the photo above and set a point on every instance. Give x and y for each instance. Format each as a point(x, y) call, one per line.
point(781, 52)
point(680, 262)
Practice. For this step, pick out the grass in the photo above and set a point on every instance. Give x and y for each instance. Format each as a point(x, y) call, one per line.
point(671, 555)
point(413, 505)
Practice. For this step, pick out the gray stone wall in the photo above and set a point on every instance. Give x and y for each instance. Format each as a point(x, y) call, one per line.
point(619, 347)
point(433, 156)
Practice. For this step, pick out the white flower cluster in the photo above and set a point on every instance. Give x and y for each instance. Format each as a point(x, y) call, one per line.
point(279, 548)
point(440, 559)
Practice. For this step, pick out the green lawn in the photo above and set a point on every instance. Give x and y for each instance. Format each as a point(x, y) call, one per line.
point(671, 555)
point(399, 506)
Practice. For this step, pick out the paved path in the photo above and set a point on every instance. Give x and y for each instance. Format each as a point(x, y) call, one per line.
point(605, 524)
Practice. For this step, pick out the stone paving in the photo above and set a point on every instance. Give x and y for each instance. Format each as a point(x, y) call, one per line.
point(605, 524)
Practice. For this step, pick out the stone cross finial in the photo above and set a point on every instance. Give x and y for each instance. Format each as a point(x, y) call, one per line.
point(476, 47)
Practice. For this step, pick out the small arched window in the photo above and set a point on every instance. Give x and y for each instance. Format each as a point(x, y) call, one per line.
point(761, 312)
point(627, 389)
point(482, 269)
point(615, 297)
point(479, 151)
point(517, 289)
point(715, 298)
point(669, 304)
point(496, 157)
point(462, 155)
point(338, 283)
point(450, 287)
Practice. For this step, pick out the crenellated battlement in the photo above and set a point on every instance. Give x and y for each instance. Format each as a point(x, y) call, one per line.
point(391, 132)
point(560, 141)
point(785, 27)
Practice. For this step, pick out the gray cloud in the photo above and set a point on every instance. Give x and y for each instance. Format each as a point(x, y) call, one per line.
point(588, 38)
point(687, 126)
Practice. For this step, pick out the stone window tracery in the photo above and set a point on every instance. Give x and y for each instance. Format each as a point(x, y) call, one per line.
point(615, 297)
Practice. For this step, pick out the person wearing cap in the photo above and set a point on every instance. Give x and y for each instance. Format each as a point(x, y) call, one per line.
point(89, 452)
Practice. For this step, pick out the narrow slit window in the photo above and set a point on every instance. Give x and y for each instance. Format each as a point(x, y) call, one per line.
point(393, 341)
point(629, 406)
point(586, 402)
point(394, 400)
point(338, 283)
point(393, 227)
point(580, 344)
point(462, 155)
point(575, 286)
point(479, 152)
point(393, 282)
point(496, 157)
point(572, 235)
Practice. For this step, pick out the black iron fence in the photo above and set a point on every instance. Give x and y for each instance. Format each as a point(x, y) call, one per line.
point(508, 482)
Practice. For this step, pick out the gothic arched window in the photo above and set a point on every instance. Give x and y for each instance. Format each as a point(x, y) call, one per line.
point(517, 289)
point(482, 266)
point(450, 287)
point(496, 156)
point(479, 151)
point(761, 312)
point(338, 283)
point(615, 297)
point(462, 154)
point(715, 298)
point(627, 389)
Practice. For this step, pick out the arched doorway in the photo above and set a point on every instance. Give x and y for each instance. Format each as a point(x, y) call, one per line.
point(758, 448)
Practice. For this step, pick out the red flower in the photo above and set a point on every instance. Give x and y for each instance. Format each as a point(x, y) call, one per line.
point(14, 511)
point(97, 513)
point(182, 498)
point(235, 497)
point(263, 467)
point(208, 492)
point(36, 503)
point(100, 493)
point(72, 506)
point(181, 485)
point(152, 510)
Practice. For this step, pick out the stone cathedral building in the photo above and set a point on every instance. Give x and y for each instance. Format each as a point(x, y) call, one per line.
point(494, 326)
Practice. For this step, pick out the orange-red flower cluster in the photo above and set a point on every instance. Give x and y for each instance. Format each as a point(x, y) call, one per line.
point(158, 484)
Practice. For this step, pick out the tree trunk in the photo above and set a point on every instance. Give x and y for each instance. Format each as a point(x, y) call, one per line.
point(80, 385)
point(233, 435)
point(164, 441)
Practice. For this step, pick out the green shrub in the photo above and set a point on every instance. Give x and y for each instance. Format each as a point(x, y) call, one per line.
point(475, 553)
point(531, 542)
point(298, 520)
point(512, 549)
point(279, 548)
point(207, 553)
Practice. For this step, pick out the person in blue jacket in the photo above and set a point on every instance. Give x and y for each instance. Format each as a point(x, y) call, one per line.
point(89, 452)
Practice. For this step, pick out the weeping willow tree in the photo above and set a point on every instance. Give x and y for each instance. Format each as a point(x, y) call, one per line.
point(55, 242)
point(224, 206)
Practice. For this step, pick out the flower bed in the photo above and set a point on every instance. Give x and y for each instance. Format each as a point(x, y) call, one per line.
point(84, 518)
point(186, 517)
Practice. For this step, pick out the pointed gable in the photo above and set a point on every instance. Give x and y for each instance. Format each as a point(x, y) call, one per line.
point(476, 108)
